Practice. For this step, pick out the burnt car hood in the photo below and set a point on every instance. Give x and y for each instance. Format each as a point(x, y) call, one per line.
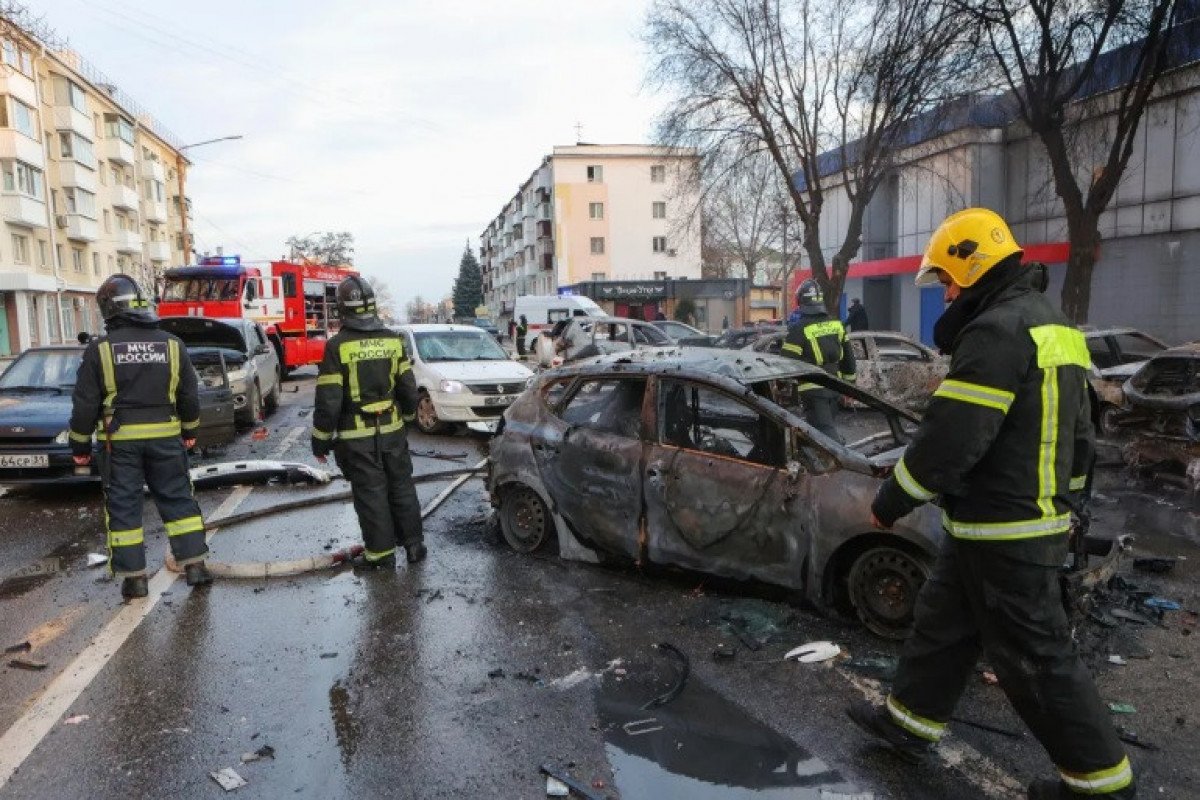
point(212, 355)
point(41, 414)
point(198, 332)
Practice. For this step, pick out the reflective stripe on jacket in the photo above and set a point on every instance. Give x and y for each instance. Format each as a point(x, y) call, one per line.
point(365, 386)
point(134, 383)
point(821, 341)
point(1008, 435)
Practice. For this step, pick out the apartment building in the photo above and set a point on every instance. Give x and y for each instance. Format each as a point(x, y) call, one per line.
point(975, 152)
point(91, 187)
point(594, 214)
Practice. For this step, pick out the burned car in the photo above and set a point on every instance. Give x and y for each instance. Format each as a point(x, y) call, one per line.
point(700, 459)
point(1117, 353)
point(899, 369)
point(1163, 414)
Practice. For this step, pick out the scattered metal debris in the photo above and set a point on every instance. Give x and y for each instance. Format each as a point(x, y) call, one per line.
point(685, 669)
point(1155, 565)
point(1129, 737)
point(241, 473)
point(1121, 708)
point(31, 664)
point(20, 647)
point(75, 720)
point(724, 652)
point(1118, 660)
point(96, 559)
point(227, 779)
point(329, 655)
point(556, 788)
point(1161, 603)
point(435, 454)
point(875, 665)
point(266, 751)
point(572, 784)
point(639, 727)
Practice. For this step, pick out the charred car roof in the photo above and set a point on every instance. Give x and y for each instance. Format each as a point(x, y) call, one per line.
point(743, 366)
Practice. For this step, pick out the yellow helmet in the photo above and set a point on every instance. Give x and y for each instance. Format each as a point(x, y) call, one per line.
point(965, 246)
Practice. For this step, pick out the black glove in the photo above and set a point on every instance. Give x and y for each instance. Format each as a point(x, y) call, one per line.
point(321, 447)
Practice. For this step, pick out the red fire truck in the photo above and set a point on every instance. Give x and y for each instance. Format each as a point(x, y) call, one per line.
point(295, 303)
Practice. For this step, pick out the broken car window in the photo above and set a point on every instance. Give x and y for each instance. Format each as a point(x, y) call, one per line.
point(702, 419)
point(893, 349)
point(609, 405)
point(553, 392)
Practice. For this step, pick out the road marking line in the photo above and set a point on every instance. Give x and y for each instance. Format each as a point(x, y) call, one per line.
point(39, 719)
point(977, 768)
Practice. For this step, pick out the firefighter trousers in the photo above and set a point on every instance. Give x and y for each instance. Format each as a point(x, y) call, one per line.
point(820, 411)
point(385, 497)
point(162, 466)
point(994, 598)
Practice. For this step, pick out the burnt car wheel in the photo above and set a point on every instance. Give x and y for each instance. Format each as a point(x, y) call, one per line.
point(1110, 419)
point(427, 418)
point(884, 583)
point(525, 521)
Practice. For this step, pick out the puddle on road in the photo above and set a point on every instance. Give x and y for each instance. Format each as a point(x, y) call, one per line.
point(701, 746)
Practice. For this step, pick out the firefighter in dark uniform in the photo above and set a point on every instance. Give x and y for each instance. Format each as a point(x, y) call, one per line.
point(366, 394)
point(136, 391)
point(1006, 443)
point(817, 338)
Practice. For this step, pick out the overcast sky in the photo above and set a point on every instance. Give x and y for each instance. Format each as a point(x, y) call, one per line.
point(406, 123)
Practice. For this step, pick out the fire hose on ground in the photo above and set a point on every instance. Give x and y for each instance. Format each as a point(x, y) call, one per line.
point(298, 566)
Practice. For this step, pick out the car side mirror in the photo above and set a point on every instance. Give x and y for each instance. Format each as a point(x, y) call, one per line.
point(262, 349)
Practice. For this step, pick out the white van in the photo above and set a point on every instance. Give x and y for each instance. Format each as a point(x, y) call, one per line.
point(543, 310)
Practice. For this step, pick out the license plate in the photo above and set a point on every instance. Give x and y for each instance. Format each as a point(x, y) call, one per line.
point(506, 400)
point(24, 461)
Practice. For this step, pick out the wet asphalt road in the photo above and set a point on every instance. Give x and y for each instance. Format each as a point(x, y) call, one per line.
point(459, 677)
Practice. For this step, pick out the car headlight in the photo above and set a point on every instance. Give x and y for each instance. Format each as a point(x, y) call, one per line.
point(451, 387)
point(63, 438)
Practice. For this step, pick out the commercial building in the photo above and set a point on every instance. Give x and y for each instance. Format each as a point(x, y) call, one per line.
point(595, 214)
point(975, 153)
point(91, 186)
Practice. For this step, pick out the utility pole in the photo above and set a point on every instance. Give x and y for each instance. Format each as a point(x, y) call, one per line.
point(183, 217)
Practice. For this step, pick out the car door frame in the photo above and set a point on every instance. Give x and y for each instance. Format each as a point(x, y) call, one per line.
point(768, 526)
point(585, 499)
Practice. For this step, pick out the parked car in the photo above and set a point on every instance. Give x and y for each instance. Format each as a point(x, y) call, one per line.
point(700, 459)
point(739, 338)
point(35, 412)
point(463, 377)
point(683, 334)
point(891, 365)
point(541, 311)
point(1117, 353)
point(1163, 413)
point(490, 327)
point(585, 337)
point(255, 375)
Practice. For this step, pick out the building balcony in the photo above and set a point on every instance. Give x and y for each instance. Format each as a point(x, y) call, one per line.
point(127, 242)
point(548, 261)
point(67, 118)
point(117, 150)
point(78, 227)
point(154, 169)
point(19, 86)
point(158, 251)
point(122, 196)
point(76, 175)
point(545, 229)
point(20, 209)
point(154, 211)
point(19, 146)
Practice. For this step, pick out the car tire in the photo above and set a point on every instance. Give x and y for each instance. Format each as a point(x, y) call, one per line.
point(272, 400)
point(525, 522)
point(884, 583)
point(1110, 417)
point(427, 418)
point(252, 414)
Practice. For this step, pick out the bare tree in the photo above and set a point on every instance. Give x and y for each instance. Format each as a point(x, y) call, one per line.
point(384, 300)
point(824, 90)
point(742, 223)
point(418, 310)
point(1052, 54)
point(331, 247)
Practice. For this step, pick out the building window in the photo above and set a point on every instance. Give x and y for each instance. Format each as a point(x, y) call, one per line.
point(34, 327)
point(18, 57)
point(659, 244)
point(596, 210)
point(658, 174)
point(595, 174)
point(658, 210)
point(81, 202)
point(107, 221)
point(95, 263)
point(112, 265)
point(597, 245)
point(660, 276)
point(43, 254)
point(22, 119)
point(598, 276)
point(117, 127)
point(76, 148)
point(52, 321)
point(24, 179)
point(68, 315)
point(20, 248)
point(77, 259)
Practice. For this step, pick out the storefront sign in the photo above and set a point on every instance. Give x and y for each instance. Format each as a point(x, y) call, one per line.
point(656, 290)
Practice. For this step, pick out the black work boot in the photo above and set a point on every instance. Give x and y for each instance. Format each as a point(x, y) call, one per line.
point(1054, 789)
point(415, 553)
point(361, 562)
point(876, 721)
point(197, 574)
point(135, 586)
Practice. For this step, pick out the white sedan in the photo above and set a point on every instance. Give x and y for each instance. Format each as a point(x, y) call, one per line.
point(463, 377)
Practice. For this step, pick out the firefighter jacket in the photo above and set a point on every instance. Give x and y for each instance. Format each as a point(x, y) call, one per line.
point(135, 383)
point(820, 340)
point(1008, 434)
point(365, 387)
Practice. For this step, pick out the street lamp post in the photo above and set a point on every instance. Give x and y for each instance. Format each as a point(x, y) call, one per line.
point(183, 219)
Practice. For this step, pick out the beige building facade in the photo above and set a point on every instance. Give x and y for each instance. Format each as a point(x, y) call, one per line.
point(594, 213)
point(89, 187)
